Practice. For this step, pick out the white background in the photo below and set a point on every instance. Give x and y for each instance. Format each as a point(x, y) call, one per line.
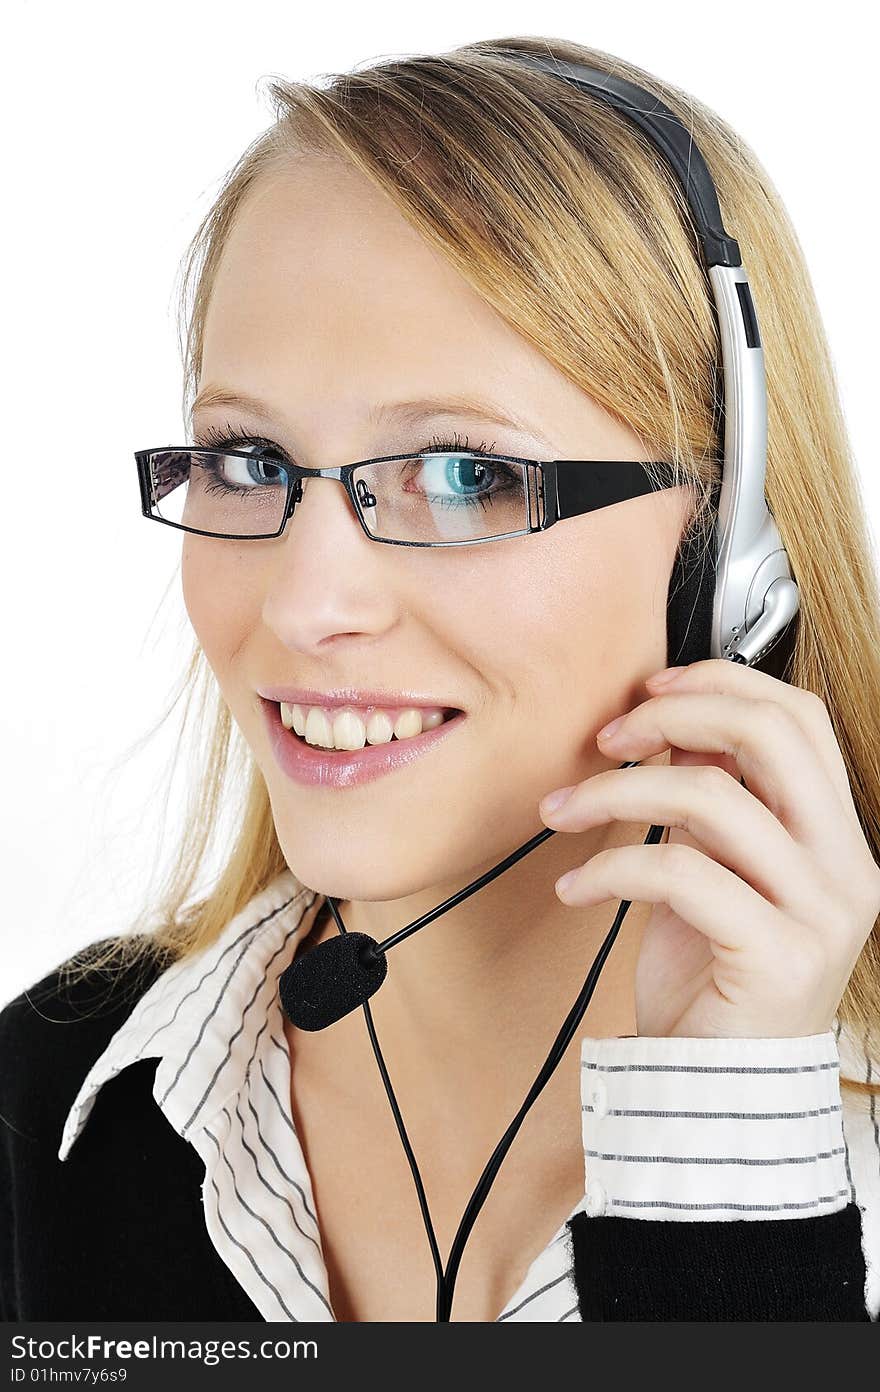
point(119, 124)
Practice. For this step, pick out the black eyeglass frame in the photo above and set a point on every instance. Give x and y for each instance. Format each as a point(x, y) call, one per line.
point(563, 488)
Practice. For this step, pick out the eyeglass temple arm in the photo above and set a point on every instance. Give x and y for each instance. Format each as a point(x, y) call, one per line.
point(575, 486)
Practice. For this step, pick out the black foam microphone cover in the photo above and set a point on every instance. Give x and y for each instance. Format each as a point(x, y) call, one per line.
point(330, 980)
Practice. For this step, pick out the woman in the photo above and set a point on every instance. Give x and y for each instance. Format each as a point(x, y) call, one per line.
point(454, 255)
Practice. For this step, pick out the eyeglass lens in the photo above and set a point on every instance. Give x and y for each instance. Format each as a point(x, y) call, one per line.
point(428, 498)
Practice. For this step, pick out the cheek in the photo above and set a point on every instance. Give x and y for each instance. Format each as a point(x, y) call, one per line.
point(526, 616)
point(584, 617)
point(217, 600)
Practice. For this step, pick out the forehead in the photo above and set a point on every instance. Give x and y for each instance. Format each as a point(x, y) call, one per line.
point(324, 285)
point(328, 301)
point(319, 247)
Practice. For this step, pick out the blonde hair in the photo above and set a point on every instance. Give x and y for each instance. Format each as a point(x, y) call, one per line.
point(561, 214)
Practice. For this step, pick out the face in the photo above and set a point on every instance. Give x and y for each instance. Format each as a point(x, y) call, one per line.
point(333, 311)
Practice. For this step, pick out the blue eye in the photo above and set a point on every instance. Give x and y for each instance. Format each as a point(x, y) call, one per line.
point(459, 479)
point(450, 466)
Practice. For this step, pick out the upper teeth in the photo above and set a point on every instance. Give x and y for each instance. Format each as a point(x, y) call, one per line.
point(348, 728)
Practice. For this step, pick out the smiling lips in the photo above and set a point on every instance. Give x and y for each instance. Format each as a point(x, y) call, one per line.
point(353, 727)
point(315, 766)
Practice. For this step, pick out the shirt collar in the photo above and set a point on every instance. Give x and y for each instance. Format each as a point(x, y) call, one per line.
point(214, 1022)
point(200, 1016)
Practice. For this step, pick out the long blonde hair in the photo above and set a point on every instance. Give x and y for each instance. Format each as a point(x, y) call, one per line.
point(561, 214)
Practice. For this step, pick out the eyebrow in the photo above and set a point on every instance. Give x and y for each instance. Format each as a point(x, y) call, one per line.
point(403, 412)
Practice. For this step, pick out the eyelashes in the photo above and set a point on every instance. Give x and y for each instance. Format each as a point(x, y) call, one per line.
point(229, 437)
point(442, 444)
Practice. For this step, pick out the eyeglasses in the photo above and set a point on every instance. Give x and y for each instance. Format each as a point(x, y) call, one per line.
point(433, 499)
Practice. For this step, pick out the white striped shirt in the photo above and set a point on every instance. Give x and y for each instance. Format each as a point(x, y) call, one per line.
point(672, 1128)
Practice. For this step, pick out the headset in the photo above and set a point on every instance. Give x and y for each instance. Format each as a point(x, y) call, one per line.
point(739, 616)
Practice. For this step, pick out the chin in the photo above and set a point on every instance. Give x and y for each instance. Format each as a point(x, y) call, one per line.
point(351, 870)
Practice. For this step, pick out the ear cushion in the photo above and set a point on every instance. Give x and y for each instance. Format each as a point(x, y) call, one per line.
point(690, 596)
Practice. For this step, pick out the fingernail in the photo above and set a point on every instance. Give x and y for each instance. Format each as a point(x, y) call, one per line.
point(554, 800)
point(566, 881)
point(667, 675)
point(609, 728)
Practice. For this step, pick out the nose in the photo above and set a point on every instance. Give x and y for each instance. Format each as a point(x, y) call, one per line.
point(326, 578)
point(304, 487)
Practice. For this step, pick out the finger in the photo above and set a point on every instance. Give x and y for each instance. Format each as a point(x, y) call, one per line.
point(729, 913)
point(809, 710)
point(771, 750)
point(729, 823)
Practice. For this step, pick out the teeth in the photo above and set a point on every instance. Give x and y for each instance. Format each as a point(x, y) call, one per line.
point(379, 728)
point(408, 723)
point(349, 731)
point(318, 727)
point(347, 728)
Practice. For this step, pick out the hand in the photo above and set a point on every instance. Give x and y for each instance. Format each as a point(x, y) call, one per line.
point(764, 895)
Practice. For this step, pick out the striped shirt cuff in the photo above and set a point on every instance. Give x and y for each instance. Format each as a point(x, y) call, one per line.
point(691, 1129)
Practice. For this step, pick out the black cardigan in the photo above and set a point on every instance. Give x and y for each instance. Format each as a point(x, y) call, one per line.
point(117, 1231)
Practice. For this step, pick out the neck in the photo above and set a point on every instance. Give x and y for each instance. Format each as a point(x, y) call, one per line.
point(494, 977)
